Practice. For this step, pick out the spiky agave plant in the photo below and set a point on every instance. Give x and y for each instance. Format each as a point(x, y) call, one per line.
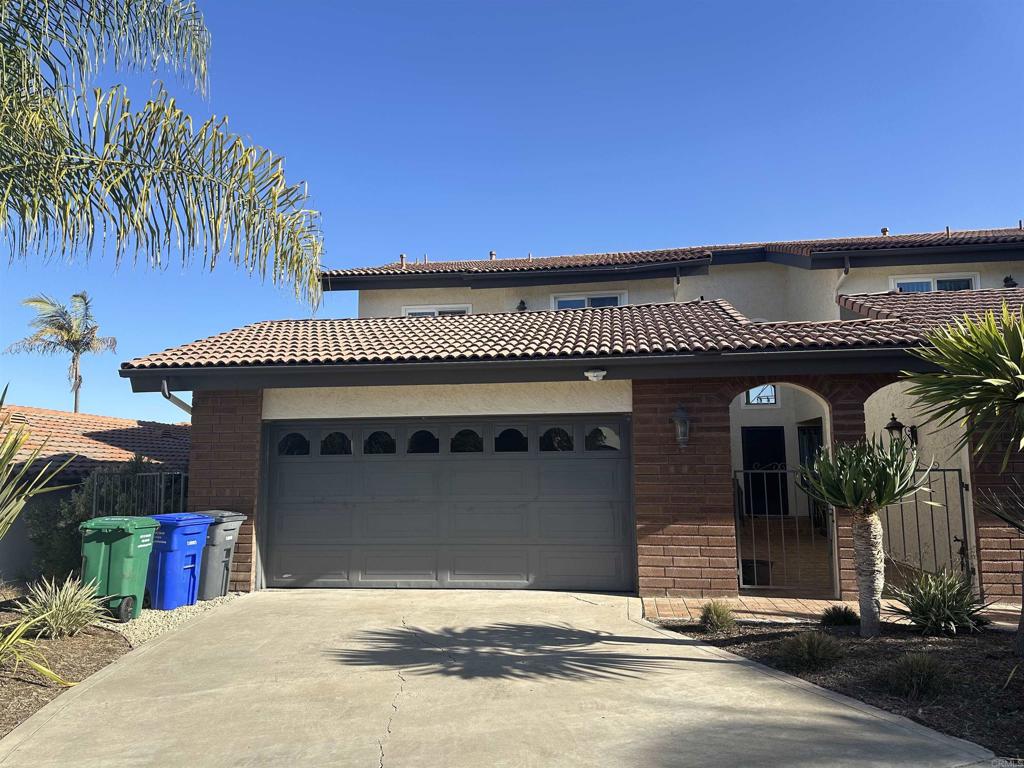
point(863, 477)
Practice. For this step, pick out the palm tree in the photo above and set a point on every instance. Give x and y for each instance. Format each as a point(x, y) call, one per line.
point(864, 477)
point(84, 168)
point(59, 328)
point(980, 384)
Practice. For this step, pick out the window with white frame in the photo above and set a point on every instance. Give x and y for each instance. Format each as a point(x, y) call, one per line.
point(436, 310)
point(954, 281)
point(766, 395)
point(581, 300)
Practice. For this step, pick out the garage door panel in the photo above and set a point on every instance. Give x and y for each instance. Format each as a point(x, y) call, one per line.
point(592, 520)
point(382, 479)
point(479, 478)
point(399, 565)
point(400, 521)
point(524, 519)
point(314, 523)
point(489, 565)
point(490, 519)
point(311, 566)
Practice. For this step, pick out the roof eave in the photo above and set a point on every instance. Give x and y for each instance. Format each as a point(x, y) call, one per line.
point(769, 363)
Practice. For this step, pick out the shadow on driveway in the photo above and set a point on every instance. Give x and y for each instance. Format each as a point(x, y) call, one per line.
point(511, 651)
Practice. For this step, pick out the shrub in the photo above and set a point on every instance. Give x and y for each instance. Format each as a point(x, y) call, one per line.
point(811, 650)
point(915, 676)
point(940, 603)
point(839, 616)
point(61, 610)
point(717, 616)
point(16, 649)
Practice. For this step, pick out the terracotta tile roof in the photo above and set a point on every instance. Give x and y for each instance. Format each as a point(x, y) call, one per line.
point(929, 309)
point(649, 329)
point(692, 253)
point(101, 440)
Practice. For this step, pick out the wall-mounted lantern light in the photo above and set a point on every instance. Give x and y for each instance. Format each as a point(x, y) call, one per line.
point(521, 306)
point(896, 430)
point(681, 418)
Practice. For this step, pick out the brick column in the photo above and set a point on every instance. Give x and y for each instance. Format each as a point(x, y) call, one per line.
point(686, 532)
point(1000, 548)
point(224, 464)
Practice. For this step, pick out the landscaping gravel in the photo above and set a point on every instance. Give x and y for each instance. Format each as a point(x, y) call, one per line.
point(152, 623)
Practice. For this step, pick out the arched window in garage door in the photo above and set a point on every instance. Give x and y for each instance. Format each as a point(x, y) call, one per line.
point(293, 444)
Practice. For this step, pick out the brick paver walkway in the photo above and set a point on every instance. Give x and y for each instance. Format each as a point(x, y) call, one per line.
point(783, 610)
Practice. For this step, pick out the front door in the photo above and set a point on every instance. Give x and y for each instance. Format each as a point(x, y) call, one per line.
point(764, 465)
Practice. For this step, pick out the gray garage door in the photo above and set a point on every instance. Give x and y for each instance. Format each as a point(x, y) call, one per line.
point(532, 503)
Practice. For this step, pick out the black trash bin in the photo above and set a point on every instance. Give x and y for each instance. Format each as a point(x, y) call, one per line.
point(221, 538)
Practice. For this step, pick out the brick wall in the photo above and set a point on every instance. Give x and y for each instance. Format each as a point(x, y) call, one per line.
point(686, 533)
point(224, 465)
point(1000, 548)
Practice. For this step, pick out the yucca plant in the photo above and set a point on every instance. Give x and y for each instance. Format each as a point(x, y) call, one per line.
point(16, 649)
point(62, 610)
point(84, 168)
point(940, 603)
point(20, 478)
point(863, 477)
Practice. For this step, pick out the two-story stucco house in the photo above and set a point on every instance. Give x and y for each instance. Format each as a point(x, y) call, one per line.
point(621, 421)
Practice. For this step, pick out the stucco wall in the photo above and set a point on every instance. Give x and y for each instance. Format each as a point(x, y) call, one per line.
point(448, 400)
point(760, 291)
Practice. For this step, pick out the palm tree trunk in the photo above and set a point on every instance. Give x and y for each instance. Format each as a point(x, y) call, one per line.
point(869, 558)
point(76, 379)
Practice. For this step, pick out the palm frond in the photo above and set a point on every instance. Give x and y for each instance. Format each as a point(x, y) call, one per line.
point(150, 183)
point(980, 382)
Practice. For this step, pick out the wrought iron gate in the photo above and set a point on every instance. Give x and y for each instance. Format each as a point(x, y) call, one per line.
point(922, 537)
point(784, 539)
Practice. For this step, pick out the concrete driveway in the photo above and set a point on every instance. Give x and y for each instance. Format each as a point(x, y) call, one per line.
point(420, 679)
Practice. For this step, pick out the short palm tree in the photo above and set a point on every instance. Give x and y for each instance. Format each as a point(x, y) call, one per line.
point(84, 168)
point(60, 329)
point(863, 477)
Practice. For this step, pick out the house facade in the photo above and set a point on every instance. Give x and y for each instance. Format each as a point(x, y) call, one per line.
point(625, 421)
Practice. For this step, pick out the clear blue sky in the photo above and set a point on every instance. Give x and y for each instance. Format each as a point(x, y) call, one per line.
point(455, 128)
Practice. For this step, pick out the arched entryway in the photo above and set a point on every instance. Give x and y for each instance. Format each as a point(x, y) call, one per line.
point(785, 541)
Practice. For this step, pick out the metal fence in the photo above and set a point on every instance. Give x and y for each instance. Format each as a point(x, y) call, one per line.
point(929, 537)
point(783, 537)
point(132, 493)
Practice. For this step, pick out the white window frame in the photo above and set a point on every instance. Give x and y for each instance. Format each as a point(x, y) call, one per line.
point(932, 277)
point(435, 308)
point(762, 406)
point(622, 296)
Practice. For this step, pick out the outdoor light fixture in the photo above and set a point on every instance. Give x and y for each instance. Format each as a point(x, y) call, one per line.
point(681, 418)
point(896, 429)
point(521, 306)
point(595, 374)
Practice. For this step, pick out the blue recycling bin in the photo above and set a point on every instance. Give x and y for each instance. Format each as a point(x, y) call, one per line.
point(173, 578)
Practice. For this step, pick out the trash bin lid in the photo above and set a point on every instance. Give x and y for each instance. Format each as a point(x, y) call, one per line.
point(223, 515)
point(119, 523)
point(174, 519)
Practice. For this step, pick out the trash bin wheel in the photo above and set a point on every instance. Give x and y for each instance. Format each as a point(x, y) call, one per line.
point(125, 609)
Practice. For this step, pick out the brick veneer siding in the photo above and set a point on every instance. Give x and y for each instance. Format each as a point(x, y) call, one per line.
point(686, 532)
point(224, 466)
point(1000, 548)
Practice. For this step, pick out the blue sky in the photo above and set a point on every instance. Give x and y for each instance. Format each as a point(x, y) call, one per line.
point(455, 128)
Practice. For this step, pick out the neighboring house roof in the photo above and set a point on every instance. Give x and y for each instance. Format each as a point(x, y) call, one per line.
point(98, 441)
point(634, 330)
point(829, 253)
point(933, 308)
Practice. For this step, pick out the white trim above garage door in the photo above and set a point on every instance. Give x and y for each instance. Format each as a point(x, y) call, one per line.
point(531, 398)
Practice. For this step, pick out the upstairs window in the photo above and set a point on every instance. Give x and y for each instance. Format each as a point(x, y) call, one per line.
point(764, 395)
point(928, 283)
point(436, 310)
point(581, 300)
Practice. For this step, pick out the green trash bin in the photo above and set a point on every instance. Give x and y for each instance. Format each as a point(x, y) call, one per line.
point(115, 555)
